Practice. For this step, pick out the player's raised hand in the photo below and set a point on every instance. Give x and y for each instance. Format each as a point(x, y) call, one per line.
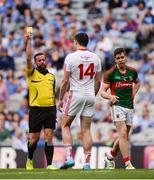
point(114, 99)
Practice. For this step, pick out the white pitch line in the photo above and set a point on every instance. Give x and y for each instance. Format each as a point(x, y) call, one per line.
point(78, 179)
point(34, 172)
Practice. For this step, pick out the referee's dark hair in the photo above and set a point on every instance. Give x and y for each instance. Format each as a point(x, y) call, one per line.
point(38, 54)
point(82, 38)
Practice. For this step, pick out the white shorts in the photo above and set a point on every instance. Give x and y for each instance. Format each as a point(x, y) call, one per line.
point(78, 104)
point(122, 114)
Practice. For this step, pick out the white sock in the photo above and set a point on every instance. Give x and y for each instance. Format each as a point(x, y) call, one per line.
point(68, 148)
point(110, 157)
point(127, 162)
point(87, 158)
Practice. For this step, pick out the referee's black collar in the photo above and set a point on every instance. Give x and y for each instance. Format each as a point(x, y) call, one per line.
point(43, 71)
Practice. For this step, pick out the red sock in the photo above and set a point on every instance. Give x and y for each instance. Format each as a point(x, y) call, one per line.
point(113, 153)
point(126, 159)
point(87, 157)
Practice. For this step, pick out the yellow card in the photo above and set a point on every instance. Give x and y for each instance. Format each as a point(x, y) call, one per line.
point(29, 29)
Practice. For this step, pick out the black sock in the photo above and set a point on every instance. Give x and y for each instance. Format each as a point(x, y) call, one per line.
point(49, 149)
point(31, 149)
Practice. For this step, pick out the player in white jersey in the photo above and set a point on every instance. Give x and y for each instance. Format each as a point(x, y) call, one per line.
point(82, 71)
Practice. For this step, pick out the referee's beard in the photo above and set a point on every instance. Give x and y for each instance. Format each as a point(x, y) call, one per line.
point(42, 68)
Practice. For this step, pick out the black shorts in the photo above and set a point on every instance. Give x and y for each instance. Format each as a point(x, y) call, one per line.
point(41, 117)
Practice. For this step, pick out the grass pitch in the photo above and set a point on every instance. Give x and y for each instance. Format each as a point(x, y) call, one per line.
point(76, 174)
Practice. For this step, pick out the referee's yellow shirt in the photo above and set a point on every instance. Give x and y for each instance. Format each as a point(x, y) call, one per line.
point(41, 88)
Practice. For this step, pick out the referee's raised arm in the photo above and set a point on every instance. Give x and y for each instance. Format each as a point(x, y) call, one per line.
point(28, 39)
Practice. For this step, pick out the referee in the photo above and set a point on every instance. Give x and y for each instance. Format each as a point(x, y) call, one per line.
point(42, 110)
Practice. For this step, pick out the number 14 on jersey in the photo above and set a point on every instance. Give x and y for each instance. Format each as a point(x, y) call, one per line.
point(88, 72)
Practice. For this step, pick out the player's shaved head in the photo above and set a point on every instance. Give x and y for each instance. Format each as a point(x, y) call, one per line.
point(82, 39)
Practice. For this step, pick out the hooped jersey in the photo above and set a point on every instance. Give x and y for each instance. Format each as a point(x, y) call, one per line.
point(82, 65)
point(121, 85)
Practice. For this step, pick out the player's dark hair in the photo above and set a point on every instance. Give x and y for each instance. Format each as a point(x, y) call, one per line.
point(119, 51)
point(82, 38)
point(38, 54)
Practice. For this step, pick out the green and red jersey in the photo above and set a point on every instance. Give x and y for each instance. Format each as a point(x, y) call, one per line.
point(121, 85)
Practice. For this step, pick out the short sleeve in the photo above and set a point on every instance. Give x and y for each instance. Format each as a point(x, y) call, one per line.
point(30, 71)
point(99, 66)
point(136, 79)
point(67, 64)
point(54, 88)
point(106, 78)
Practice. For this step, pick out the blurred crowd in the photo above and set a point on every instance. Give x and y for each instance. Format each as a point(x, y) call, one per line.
point(109, 24)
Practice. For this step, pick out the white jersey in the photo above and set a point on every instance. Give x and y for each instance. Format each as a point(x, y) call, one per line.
point(82, 65)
